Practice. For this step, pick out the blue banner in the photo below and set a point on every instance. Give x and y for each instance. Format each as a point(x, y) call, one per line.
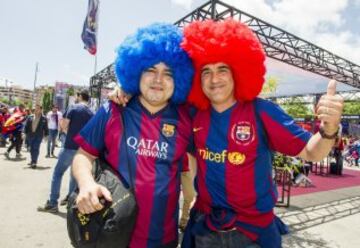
point(89, 32)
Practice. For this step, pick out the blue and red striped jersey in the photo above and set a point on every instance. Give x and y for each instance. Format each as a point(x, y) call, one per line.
point(154, 146)
point(234, 153)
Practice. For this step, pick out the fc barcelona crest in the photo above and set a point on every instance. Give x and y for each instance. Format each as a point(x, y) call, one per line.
point(243, 133)
point(168, 130)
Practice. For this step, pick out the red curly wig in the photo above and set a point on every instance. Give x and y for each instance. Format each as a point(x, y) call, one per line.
point(230, 42)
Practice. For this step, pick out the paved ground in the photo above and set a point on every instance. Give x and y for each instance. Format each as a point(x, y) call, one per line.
point(23, 190)
point(331, 224)
point(325, 219)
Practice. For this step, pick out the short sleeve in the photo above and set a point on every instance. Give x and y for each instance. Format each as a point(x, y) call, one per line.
point(283, 134)
point(185, 163)
point(91, 136)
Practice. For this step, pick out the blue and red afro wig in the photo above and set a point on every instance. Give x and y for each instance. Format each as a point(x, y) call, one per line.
point(230, 42)
point(149, 46)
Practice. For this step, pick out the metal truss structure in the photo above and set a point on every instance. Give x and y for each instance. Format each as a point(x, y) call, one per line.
point(348, 96)
point(278, 44)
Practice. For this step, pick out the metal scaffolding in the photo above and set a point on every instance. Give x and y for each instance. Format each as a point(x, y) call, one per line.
point(311, 98)
point(278, 44)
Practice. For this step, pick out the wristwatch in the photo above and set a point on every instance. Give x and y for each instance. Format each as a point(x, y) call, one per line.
point(326, 136)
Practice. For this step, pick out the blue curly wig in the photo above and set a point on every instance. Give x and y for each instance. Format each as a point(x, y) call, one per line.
point(149, 46)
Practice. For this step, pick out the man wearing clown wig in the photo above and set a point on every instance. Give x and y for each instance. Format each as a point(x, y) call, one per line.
point(151, 134)
point(235, 133)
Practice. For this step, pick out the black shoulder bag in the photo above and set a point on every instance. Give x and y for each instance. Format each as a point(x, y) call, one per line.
point(111, 227)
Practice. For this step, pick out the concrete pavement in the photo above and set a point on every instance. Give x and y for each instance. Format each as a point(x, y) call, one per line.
point(331, 224)
point(324, 219)
point(22, 190)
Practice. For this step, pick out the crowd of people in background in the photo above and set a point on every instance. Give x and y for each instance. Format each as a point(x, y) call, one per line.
point(344, 153)
point(72, 121)
point(25, 129)
point(351, 152)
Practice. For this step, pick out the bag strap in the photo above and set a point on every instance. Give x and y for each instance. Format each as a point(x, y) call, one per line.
point(122, 120)
point(101, 166)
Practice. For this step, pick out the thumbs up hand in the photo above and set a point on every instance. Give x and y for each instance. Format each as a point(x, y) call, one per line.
point(329, 109)
point(119, 96)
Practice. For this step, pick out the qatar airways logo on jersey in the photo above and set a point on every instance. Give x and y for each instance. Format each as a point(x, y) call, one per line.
point(148, 147)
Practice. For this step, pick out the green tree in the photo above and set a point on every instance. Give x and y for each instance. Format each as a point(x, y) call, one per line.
point(270, 85)
point(4, 100)
point(352, 108)
point(16, 102)
point(29, 104)
point(52, 94)
point(46, 101)
point(70, 92)
point(295, 108)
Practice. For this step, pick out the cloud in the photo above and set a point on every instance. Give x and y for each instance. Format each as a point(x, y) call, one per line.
point(319, 22)
point(295, 14)
point(309, 15)
point(183, 3)
point(356, 3)
point(342, 43)
point(259, 8)
point(72, 72)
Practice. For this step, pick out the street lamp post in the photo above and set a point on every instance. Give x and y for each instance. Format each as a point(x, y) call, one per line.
point(8, 89)
point(35, 79)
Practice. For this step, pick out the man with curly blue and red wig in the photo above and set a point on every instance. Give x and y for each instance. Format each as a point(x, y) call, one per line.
point(151, 134)
point(235, 133)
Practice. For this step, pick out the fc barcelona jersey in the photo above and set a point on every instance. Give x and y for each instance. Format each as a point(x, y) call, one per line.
point(234, 152)
point(154, 146)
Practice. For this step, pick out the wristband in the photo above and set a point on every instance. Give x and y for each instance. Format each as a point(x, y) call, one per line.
point(326, 136)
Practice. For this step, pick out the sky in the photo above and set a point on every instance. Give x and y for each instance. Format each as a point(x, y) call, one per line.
point(48, 32)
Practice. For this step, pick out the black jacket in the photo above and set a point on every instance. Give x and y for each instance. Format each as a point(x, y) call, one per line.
point(41, 129)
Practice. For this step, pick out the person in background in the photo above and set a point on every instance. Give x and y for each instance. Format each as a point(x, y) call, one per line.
point(28, 114)
point(15, 125)
point(53, 118)
point(36, 128)
point(74, 120)
point(2, 121)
